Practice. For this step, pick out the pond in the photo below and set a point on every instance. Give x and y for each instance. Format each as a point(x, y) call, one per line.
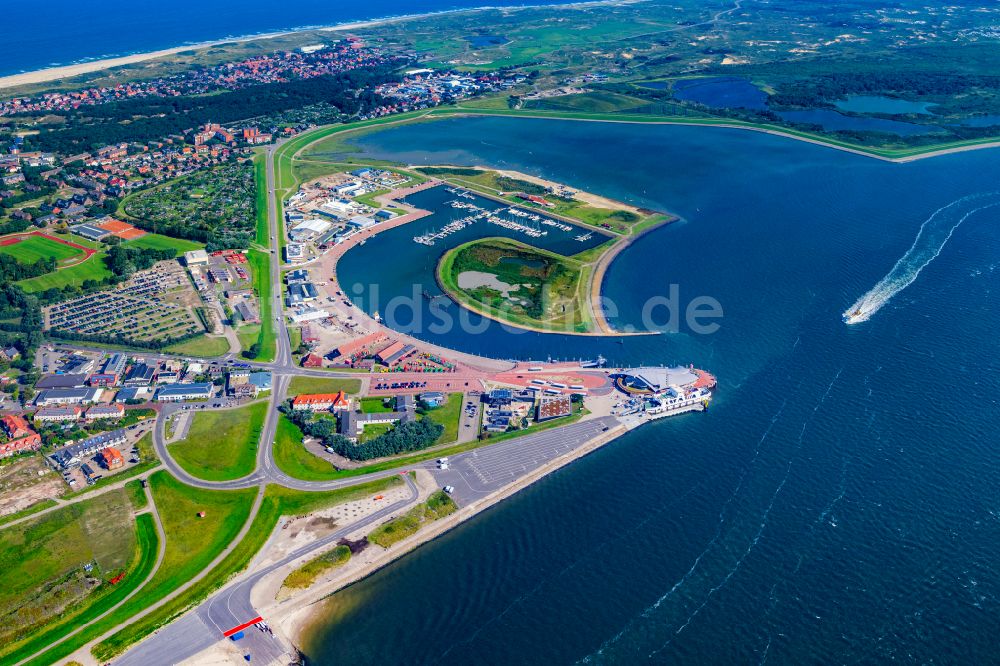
point(476, 279)
point(833, 121)
point(882, 104)
point(721, 92)
point(483, 41)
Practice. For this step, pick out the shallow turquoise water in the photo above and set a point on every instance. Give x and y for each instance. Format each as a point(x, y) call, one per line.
point(841, 500)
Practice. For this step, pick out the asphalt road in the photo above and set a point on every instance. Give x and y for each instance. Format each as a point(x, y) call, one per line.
point(231, 607)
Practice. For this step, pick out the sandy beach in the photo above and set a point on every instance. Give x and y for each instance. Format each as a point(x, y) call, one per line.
point(76, 69)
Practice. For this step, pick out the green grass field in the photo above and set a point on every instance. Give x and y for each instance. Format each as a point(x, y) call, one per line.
point(323, 385)
point(148, 544)
point(202, 346)
point(261, 268)
point(33, 248)
point(221, 445)
point(160, 242)
point(449, 415)
point(292, 457)
point(192, 543)
point(91, 269)
point(44, 562)
point(376, 405)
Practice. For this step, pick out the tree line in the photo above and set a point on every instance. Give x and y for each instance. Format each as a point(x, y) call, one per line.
point(143, 120)
point(410, 436)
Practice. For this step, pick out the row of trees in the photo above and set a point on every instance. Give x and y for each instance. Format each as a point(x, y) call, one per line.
point(12, 270)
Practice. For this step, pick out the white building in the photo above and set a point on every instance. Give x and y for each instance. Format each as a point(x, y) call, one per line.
point(195, 257)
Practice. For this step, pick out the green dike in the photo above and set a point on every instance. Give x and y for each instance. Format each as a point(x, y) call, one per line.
point(890, 153)
point(277, 502)
point(450, 111)
point(221, 445)
point(261, 266)
point(260, 192)
point(191, 542)
point(148, 545)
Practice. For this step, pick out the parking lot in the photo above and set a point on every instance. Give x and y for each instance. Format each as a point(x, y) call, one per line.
point(154, 304)
point(480, 472)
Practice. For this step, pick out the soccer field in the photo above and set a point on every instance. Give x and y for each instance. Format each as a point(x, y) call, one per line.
point(32, 248)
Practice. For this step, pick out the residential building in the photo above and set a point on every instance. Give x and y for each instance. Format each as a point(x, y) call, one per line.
point(9, 354)
point(72, 455)
point(318, 402)
point(113, 411)
point(57, 414)
point(112, 458)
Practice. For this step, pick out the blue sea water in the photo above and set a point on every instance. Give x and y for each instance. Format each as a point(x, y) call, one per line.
point(840, 502)
point(67, 31)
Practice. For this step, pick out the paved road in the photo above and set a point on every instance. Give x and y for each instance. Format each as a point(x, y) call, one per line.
point(231, 607)
point(483, 471)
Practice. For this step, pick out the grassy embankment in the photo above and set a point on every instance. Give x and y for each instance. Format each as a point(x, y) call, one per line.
point(192, 542)
point(221, 445)
point(551, 294)
point(277, 502)
point(140, 567)
point(266, 336)
point(307, 574)
point(437, 506)
point(48, 589)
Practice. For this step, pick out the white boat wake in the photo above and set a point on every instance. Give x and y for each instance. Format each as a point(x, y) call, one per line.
point(933, 234)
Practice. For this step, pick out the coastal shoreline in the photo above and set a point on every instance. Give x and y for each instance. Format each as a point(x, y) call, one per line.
point(79, 68)
point(292, 622)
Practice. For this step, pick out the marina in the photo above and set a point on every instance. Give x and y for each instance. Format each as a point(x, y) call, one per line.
point(512, 218)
